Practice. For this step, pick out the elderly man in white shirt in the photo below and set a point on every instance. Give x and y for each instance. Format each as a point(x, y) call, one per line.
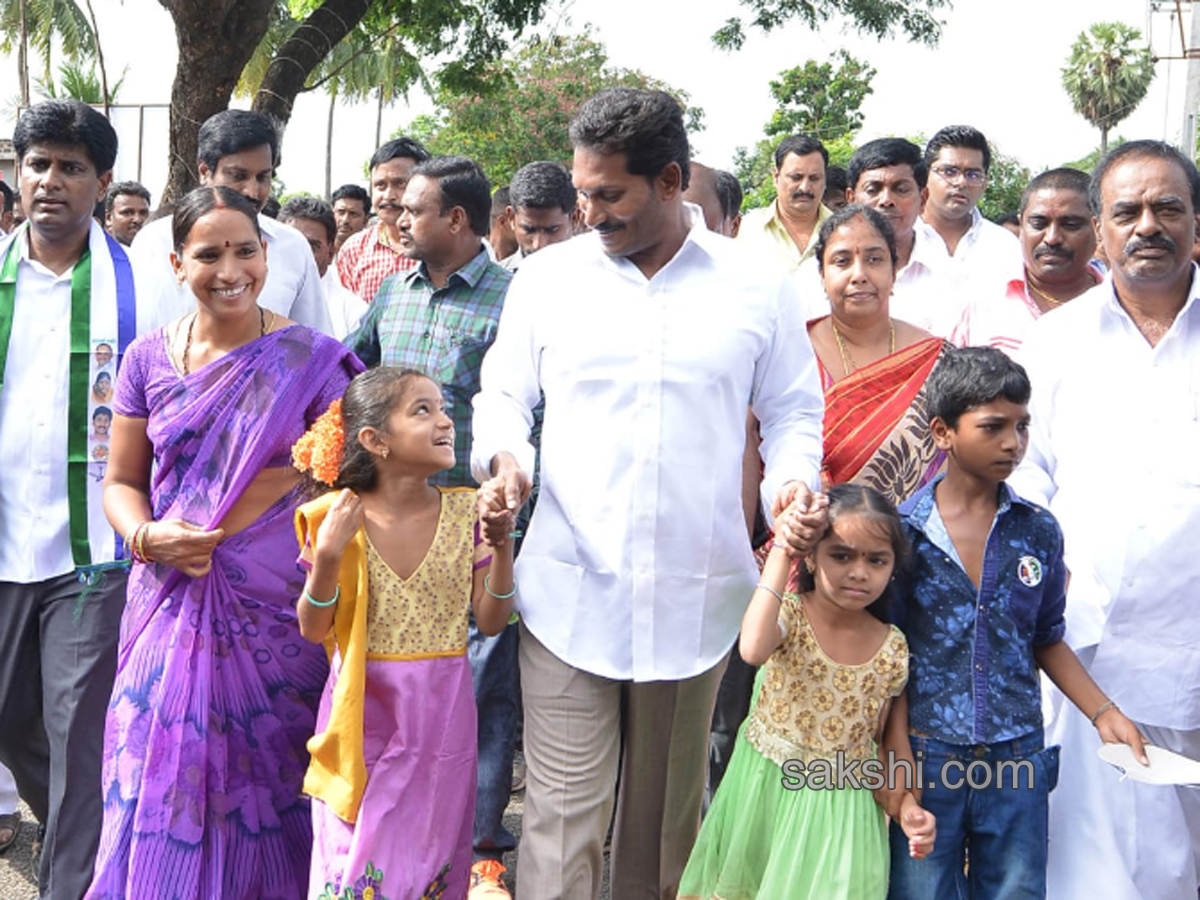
point(649, 338)
point(238, 149)
point(1116, 389)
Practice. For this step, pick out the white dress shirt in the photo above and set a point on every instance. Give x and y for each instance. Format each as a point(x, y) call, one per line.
point(637, 564)
point(35, 542)
point(1114, 452)
point(986, 259)
point(292, 288)
point(345, 307)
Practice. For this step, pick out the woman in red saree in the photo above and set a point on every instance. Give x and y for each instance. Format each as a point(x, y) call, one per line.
point(873, 367)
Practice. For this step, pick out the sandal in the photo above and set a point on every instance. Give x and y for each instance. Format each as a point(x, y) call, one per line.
point(10, 822)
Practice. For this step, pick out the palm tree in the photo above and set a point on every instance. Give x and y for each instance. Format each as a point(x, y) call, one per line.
point(37, 25)
point(1108, 74)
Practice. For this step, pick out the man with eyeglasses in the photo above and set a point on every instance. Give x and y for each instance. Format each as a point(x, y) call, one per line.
point(967, 254)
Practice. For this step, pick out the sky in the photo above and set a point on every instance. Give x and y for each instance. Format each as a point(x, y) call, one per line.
point(997, 67)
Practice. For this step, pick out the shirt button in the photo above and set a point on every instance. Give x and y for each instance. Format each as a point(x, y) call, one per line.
point(978, 667)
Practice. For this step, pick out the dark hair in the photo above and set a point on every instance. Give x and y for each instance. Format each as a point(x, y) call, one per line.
point(959, 136)
point(864, 500)
point(119, 188)
point(102, 411)
point(204, 200)
point(801, 145)
point(844, 216)
point(232, 131)
point(729, 190)
point(543, 185)
point(107, 376)
point(353, 192)
point(313, 208)
point(1152, 150)
point(647, 126)
point(70, 123)
point(6, 197)
point(886, 152)
point(399, 148)
point(1062, 179)
point(462, 183)
point(1008, 218)
point(835, 179)
point(367, 403)
point(971, 377)
point(500, 201)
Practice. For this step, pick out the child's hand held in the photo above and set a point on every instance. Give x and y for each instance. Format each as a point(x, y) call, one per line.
point(920, 826)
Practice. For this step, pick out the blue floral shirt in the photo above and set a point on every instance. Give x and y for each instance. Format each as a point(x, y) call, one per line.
point(973, 677)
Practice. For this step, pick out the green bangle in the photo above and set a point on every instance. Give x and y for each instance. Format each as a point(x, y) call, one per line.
point(487, 586)
point(337, 591)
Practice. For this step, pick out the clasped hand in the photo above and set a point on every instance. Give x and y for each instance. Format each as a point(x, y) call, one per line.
point(182, 545)
point(800, 518)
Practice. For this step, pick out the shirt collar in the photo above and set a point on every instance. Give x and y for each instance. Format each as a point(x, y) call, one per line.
point(1116, 308)
point(470, 273)
point(918, 508)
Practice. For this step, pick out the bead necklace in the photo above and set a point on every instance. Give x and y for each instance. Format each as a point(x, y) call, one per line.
point(187, 346)
point(848, 363)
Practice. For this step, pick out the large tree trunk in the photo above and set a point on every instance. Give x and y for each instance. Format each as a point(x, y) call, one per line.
point(216, 39)
point(307, 47)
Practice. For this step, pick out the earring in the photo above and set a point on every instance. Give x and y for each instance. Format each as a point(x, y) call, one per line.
point(384, 452)
point(808, 564)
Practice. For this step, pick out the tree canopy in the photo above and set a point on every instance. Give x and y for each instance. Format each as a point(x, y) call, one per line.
point(551, 77)
point(915, 19)
point(1107, 75)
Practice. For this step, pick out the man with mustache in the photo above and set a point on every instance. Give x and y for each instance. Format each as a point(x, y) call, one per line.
point(373, 254)
point(237, 149)
point(351, 210)
point(1058, 242)
point(968, 255)
point(126, 209)
point(787, 229)
point(1116, 397)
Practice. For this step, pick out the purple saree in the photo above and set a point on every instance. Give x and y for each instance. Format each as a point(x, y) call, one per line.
point(216, 691)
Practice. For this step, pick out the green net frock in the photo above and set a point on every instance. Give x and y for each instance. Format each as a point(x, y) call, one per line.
point(763, 840)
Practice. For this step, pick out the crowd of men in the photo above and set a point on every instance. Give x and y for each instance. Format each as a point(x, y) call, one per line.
point(428, 266)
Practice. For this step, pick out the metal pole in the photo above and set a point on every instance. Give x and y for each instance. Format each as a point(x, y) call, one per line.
point(1191, 103)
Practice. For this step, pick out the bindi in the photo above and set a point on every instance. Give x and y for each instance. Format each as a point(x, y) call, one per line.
point(228, 245)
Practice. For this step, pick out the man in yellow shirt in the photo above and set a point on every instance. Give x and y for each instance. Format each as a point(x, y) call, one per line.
point(789, 225)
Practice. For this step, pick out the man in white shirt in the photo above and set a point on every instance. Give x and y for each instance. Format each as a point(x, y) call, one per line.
point(649, 337)
point(968, 255)
point(238, 149)
point(1057, 243)
point(1116, 392)
point(66, 301)
point(542, 209)
point(314, 219)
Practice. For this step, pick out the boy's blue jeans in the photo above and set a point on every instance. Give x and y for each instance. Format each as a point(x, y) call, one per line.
point(991, 841)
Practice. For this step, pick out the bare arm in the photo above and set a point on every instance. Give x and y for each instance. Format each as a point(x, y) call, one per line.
point(492, 596)
point(760, 625)
point(1059, 661)
point(341, 523)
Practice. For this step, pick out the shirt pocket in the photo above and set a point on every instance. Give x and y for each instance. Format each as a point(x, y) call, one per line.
point(1022, 604)
point(458, 354)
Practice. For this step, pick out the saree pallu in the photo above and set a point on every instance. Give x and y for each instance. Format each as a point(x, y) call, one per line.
point(877, 424)
point(216, 691)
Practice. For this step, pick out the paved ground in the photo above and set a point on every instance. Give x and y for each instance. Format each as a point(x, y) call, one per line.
point(18, 882)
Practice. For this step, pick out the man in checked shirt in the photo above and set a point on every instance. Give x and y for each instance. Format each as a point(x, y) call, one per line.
point(441, 318)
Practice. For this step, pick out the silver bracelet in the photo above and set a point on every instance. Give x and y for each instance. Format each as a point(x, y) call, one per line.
point(770, 590)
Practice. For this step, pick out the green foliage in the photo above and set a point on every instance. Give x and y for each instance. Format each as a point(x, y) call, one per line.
point(1088, 163)
point(49, 24)
point(1006, 182)
point(915, 19)
point(532, 95)
point(1108, 74)
point(76, 83)
point(816, 99)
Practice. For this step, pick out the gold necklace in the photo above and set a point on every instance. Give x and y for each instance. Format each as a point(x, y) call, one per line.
point(187, 345)
point(848, 364)
point(1053, 301)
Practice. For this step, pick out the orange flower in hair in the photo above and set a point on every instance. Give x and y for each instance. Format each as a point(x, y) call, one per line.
point(319, 451)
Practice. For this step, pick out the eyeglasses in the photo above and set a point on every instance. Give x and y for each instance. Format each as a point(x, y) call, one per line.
point(953, 173)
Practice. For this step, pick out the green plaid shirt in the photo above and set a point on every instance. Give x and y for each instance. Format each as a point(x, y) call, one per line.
point(443, 333)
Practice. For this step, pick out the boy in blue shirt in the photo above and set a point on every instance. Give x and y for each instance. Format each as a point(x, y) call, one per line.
point(983, 612)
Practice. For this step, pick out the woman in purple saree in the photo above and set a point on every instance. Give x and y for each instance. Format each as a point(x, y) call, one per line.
point(216, 691)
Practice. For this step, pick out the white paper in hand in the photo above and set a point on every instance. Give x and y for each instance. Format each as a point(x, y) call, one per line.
point(1165, 767)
